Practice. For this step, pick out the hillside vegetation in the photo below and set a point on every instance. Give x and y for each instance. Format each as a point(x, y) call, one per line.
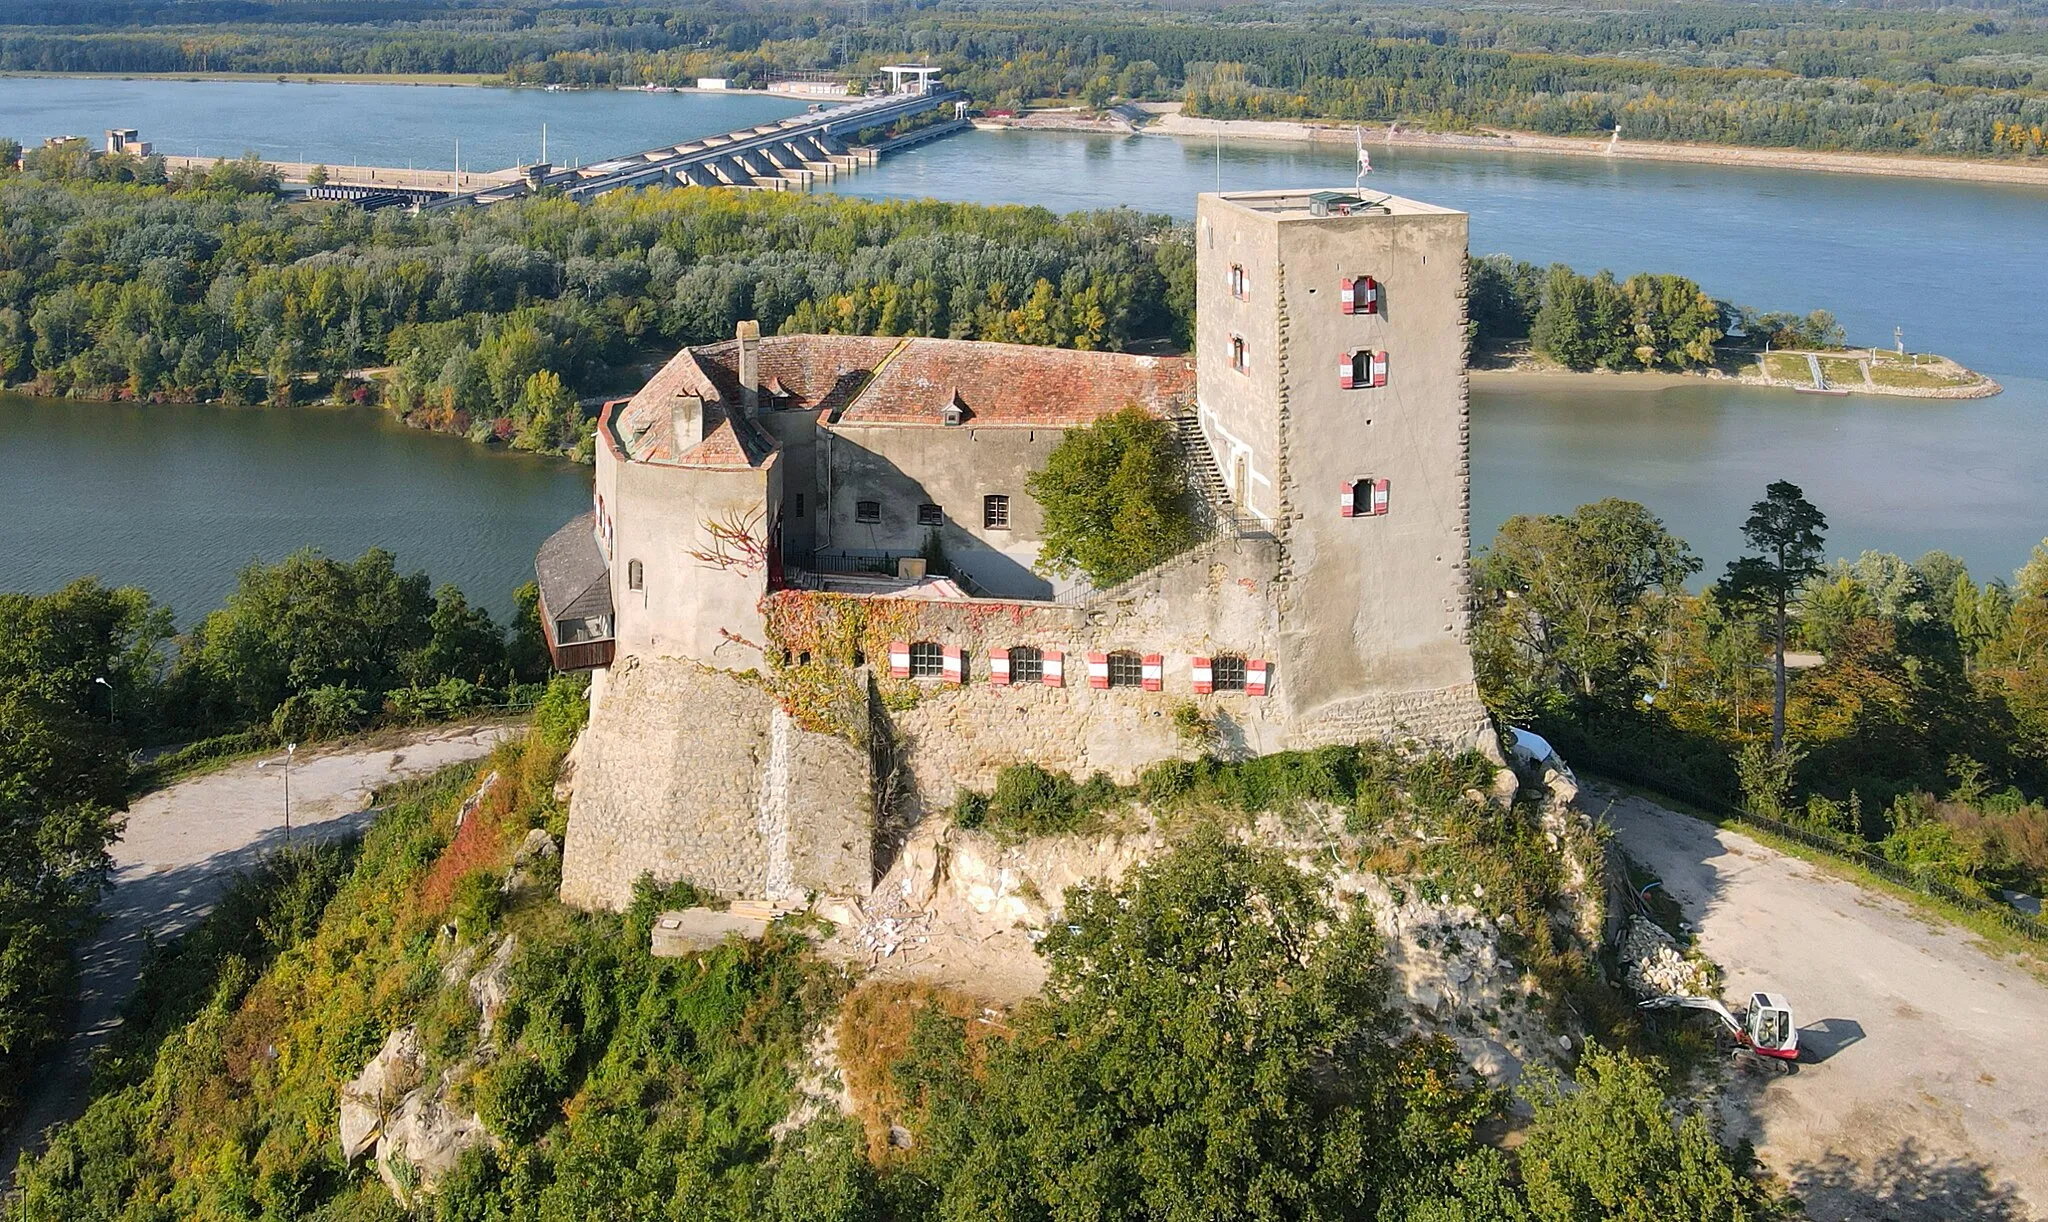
point(1215, 1039)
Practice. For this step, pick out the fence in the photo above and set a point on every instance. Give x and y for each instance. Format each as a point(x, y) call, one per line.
point(2005, 915)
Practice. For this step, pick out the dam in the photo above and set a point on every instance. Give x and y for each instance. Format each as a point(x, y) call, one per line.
point(789, 154)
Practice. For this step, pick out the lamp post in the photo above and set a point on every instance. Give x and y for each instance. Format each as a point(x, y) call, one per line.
point(290, 749)
point(101, 680)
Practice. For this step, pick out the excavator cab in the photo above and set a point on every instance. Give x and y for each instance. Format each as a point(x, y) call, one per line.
point(1769, 1028)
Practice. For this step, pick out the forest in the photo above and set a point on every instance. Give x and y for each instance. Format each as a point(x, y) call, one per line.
point(506, 324)
point(1916, 728)
point(1958, 81)
point(495, 322)
point(307, 648)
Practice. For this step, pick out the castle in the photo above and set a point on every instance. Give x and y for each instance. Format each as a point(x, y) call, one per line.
point(806, 588)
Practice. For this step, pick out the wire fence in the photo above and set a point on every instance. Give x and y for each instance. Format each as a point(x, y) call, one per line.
point(2005, 915)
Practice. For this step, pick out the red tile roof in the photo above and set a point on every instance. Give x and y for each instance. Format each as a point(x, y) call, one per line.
point(1016, 385)
point(878, 380)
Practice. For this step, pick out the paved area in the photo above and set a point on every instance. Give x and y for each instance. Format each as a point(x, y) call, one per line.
point(1922, 1091)
point(181, 846)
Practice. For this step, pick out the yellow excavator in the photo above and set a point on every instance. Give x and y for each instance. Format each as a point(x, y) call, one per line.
point(1765, 1028)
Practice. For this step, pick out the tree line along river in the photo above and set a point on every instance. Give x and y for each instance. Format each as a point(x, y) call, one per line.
point(176, 499)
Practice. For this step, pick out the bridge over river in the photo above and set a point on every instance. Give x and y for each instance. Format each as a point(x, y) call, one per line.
point(790, 154)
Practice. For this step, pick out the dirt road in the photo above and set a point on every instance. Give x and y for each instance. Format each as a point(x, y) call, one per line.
point(1923, 1091)
point(181, 846)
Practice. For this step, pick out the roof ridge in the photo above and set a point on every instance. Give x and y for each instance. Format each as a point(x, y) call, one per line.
point(873, 375)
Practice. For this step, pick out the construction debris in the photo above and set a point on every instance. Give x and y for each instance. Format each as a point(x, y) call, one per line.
point(1655, 967)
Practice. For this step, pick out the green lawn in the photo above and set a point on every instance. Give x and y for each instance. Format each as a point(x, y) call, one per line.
point(1786, 367)
point(1908, 377)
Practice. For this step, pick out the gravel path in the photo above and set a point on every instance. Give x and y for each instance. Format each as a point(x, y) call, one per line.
point(1922, 1091)
point(181, 846)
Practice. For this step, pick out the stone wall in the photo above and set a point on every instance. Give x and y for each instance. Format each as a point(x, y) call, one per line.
point(693, 773)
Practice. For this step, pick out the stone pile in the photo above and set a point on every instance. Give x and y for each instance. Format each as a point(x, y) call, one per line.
point(1657, 968)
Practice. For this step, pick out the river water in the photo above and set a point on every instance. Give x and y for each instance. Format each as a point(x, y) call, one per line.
point(1961, 267)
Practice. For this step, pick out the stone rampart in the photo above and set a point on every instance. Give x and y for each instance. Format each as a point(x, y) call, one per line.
point(691, 773)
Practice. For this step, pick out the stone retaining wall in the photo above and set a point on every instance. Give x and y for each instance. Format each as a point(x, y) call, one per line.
point(692, 773)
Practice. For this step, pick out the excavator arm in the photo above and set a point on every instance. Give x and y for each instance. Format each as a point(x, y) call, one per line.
point(1708, 1004)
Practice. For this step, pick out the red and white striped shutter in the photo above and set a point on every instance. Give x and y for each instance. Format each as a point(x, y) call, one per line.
point(1379, 497)
point(1152, 672)
point(1371, 294)
point(1344, 372)
point(1203, 675)
point(999, 667)
point(1346, 294)
point(899, 659)
point(953, 664)
point(1255, 677)
point(1098, 670)
point(1379, 369)
point(1055, 672)
point(1350, 499)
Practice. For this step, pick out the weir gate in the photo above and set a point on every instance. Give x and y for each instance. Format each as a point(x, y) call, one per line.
point(790, 154)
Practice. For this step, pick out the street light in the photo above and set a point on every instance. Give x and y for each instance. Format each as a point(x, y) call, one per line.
point(101, 680)
point(290, 749)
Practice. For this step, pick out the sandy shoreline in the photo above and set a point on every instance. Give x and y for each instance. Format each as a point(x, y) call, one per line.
point(1501, 377)
point(1168, 121)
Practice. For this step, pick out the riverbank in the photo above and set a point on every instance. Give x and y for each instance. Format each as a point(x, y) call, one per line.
point(465, 79)
point(1862, 371)
point(1166, 119)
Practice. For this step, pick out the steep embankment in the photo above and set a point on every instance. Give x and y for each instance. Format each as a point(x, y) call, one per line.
point(418, 1018)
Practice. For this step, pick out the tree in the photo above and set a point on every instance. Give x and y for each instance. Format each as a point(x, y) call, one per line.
point(1583, 597)
point(1610, 1149)
point(1116, 499)
point(305, 623)
point(1213, 1041)
point(317, 176)
point(463, 643)
point(1788, 530)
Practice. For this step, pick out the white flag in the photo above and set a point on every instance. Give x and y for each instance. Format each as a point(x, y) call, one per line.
point(1364, 158)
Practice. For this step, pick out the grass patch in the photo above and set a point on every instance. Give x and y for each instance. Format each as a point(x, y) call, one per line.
point(1786, 368)
point(875, 1029)
point(1909, 377)
point(1842, 371)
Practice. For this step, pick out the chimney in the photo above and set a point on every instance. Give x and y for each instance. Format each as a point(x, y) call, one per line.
point(750, 365)
point(686, 421)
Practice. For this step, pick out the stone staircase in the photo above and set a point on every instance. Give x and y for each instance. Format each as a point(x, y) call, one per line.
point(1213, 505)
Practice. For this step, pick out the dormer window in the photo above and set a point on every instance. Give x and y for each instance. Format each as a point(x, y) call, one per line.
point(955, 412)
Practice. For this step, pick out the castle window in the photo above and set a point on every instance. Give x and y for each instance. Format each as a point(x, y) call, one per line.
point(1240, 284)
point(1240, 354)
point(867, 511)
point(1226, 673)
point(1027, 665)
point(799, 504)
point(927, 660)
point(1360, 295)
point(930, 515)
point(1126, 669)
point(1362, 368)
point(995, 512)
point(635, 576)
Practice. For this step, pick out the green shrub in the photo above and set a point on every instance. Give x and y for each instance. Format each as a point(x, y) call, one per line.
point(447, 699)
point(970, 808)
point(560, 713)
point(324, 712)
point(479, 899)
point(515, 1099)
point(1030, 801)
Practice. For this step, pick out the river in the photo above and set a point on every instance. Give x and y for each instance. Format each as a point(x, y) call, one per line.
point(178, 498)
point(1960, 266)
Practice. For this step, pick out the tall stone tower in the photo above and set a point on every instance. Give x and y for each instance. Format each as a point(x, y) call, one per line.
point(1331, 383)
